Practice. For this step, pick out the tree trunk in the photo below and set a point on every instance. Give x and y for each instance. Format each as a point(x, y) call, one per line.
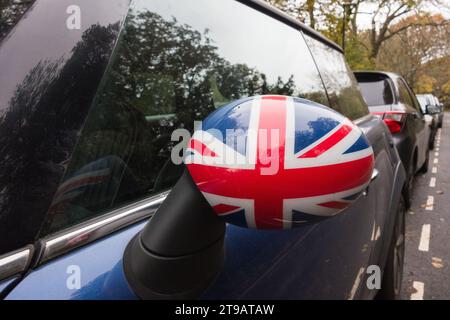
point(310, 8)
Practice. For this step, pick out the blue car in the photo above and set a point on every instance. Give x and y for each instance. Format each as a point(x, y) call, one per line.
point(92, 205)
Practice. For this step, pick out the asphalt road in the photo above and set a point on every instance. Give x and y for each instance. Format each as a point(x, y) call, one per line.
point(426, 272)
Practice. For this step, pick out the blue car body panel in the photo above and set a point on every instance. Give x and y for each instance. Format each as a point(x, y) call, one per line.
point(258, 263)
point(324, 260)
point(5, 284)
point(101, 272)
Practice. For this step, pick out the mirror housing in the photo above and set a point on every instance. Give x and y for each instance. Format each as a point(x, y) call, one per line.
point(431, 109)
point(324, 164)
point(277, 162)
point(180, 250)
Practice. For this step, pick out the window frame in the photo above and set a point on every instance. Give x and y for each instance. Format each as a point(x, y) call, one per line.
point(15, 262)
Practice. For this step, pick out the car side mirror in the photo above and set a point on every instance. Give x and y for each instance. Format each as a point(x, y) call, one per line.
point(265, 162)
point(431, 109)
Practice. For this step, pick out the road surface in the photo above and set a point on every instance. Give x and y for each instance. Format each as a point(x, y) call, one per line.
point(426, 273)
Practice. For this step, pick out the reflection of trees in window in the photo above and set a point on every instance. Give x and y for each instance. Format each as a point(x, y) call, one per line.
point(10, 13)
point(162, 67)
point(316, 128)
point(39, 129)
point(163, 75)
point(338, 79)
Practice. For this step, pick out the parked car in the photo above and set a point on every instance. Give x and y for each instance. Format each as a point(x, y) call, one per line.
point(441, 111)
point(432, 114)
point(86, 135)
point(389, 96)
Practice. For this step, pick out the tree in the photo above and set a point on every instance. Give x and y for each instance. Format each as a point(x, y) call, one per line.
point(406, 52)
point(425, 84)
point(388, 27)
point(403, 37)
point(10, 13)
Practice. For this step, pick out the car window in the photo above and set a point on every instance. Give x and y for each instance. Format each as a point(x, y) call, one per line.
point(377, 92)
point(338, 79)
point(436, 101)
point(11, 11)
point(423, 102)
point(49, 74)
point(431, 99)
point(404, 94)
point(175, 62)
point(413, 96)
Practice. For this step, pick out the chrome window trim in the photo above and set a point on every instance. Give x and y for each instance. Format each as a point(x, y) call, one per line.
point(96, 228)
point(363, 119)
point(15, 262)
point(276, 13)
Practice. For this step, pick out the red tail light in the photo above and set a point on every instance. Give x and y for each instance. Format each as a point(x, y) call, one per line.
point(393, 120)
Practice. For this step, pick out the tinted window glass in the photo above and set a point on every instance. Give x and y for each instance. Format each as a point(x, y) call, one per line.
point(423, 102)
point(430, 99)
point(437, 101)
point(404, 94)
point(49, 75)
point(10, 13)
point(338, 79)
point(176, 62)
point(376, 93)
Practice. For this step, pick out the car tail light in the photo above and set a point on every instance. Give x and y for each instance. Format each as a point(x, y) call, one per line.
point(393, 120)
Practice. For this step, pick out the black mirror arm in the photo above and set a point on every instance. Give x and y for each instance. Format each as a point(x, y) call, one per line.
point(180, 250)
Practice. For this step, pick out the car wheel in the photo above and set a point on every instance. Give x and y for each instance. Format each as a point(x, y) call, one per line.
point(393, 271)
point(424, 167)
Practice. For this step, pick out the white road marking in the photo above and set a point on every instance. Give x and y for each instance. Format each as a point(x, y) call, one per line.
point(436, 160)
point(433, 182)
point(434, 170)
point(419, 287)
point(430, 203)
point(424, 244)
point(437, 149)
point(436, 154)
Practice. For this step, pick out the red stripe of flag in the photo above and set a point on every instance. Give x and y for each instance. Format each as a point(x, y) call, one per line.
point(223, 208)
point(327, 143)
point(201, 148)
point(78, 183)
point(286, 184)
point(334, 204)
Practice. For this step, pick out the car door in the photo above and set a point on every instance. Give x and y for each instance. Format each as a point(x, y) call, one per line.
point(121, 167)
point(420, 128)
